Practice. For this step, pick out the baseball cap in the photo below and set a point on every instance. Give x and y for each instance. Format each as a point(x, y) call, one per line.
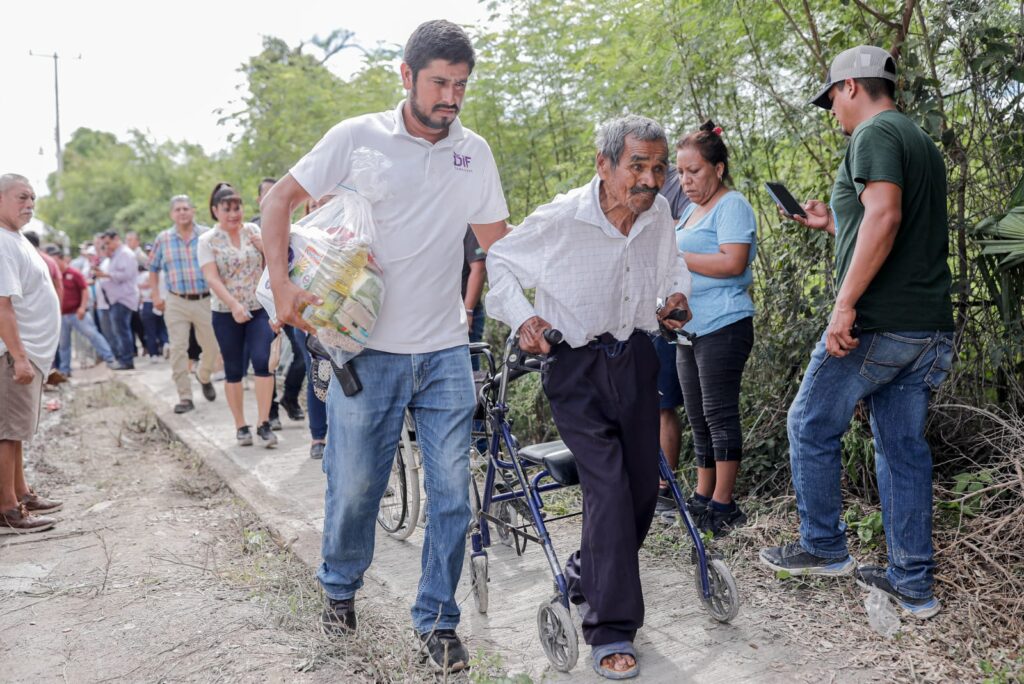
point(863, 61)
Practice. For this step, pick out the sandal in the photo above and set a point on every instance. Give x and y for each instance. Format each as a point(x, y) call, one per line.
point(599, 653)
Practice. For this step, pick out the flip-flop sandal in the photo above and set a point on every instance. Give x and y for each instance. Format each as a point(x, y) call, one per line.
point(599, 653)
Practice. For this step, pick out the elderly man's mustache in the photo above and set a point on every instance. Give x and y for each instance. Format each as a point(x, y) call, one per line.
point(638, 189)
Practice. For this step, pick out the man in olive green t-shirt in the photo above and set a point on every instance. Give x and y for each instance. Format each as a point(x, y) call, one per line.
point(889, 341)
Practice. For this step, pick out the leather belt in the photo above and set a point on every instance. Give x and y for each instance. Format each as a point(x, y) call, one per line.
point(192, 297)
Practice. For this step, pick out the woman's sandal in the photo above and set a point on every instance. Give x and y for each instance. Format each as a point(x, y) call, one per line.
point(599, 653)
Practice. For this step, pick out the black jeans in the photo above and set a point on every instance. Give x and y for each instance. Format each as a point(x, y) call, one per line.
point(606, 409)
point(294, 376)
point(710, 372)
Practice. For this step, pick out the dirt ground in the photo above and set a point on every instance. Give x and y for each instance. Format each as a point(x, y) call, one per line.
point(155, 573)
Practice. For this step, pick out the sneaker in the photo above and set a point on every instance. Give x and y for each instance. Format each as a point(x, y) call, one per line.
point(20, 521)
point(720, 523)
point(874, 577)
point(696, 507)
point(338, 617)
point(275, 424)
point(123, 366)
point(266, 435)
point(153, 360)
point(793, 559)
point(208, 391)
point(443, 649)
point(293, 410)
point(37, 505)
point(244, 436)
point(316, 450)
point(184, 406)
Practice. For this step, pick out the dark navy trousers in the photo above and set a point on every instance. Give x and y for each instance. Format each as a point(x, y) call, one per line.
point(605, 405)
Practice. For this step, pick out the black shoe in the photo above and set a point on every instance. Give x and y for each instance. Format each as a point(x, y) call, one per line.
point(184, 406)
point(444, 651)
point(266, 435)
point(666, 506)
point(208, 391)
point(338, 617)
point(275, 424)
point(123, 366)
point(293, 410)
point(244, 436)
point(873, 577)
point(316, 450)
point(720, 523)
point(696, 507)
point(793, 559)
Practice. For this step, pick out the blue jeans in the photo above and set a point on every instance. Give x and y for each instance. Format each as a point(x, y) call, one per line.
point(123, 342)
point(241, 343)
point(895, 373)
point(316, 410)
point(438, 390)
point(151, 326)
point(87, 329)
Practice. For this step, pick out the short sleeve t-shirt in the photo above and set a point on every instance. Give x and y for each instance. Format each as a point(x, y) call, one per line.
point(74, 286)
point(433, 191)
point(911, 290)
point(239, 267)
point(717, 302)
point(25, 278)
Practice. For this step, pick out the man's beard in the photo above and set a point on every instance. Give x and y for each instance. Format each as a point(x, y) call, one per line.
point(425, 119)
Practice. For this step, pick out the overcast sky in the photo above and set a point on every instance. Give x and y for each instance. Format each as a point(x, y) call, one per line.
point(163, 67)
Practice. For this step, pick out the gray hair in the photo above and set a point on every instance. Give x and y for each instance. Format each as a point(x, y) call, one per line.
point(611, 136)
point(182, 198)
point(10, 179)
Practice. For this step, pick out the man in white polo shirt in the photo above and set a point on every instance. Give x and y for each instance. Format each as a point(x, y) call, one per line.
point(442, 176)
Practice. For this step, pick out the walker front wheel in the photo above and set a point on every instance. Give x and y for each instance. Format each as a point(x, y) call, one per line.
point(557, 635)
point(723, 604)
point(478, 579)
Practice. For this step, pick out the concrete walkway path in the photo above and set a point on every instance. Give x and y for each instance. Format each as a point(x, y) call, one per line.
point(679, 643)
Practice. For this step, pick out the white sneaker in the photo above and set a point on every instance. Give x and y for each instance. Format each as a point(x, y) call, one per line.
point(153, 360)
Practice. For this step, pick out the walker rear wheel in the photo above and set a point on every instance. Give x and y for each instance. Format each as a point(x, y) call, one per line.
point(724, 602)
point(557, 635)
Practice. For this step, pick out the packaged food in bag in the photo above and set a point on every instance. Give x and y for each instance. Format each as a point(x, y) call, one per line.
point(330, 255)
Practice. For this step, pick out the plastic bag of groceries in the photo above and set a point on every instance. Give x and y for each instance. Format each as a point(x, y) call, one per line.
point(330, 254)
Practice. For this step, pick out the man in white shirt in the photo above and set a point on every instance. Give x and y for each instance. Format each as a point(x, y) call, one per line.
point(442, 176)
point(29, 330)
point(600, 258)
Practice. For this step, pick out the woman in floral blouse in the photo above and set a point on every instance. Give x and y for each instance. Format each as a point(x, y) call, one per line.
point(231, 256)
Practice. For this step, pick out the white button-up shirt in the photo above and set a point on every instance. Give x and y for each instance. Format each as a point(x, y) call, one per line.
point(589, 277)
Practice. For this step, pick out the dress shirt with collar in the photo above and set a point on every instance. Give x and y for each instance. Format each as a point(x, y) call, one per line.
point(179, 261)
point(589, 277)
point(121, 287)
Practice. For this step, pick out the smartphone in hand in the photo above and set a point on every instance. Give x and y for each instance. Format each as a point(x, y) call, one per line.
point(787, 203)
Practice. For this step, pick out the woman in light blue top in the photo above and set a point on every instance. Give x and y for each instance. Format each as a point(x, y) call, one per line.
point(717, 234)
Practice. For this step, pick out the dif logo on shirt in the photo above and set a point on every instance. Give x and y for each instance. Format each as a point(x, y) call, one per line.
point(461, 161)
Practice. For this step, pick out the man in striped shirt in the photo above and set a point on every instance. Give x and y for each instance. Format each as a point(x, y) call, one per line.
point(175, 254)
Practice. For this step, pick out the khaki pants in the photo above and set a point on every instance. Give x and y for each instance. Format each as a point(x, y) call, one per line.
point(19, 404)
point(179, 314)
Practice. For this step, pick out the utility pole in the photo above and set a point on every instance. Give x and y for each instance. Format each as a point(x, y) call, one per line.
point(56, 102)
